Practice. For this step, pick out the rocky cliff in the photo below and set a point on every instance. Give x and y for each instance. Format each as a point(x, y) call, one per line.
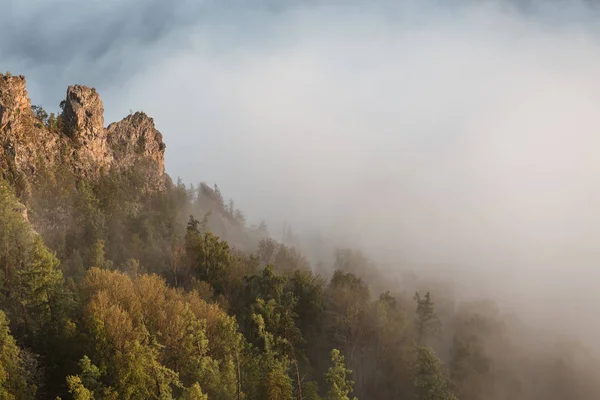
point(30, 140)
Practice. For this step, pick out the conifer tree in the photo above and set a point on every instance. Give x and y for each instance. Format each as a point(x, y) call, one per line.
point(13, 376)
point(429, 379)
point(427, 322)
point(338, 379)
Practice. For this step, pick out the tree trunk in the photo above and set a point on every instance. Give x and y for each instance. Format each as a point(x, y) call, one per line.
point(239, 377)
point(298, 378)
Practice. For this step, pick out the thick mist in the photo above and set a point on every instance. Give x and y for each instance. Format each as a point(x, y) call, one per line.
point(458, 140)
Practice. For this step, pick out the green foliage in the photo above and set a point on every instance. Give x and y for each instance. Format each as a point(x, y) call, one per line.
point(38, 284)
point(194, 393)
point(211, 258)
point(15, 236)
point(278, 385)
point(97, 256)
point(13, 376)
point(155, 341)
point(52, 122)
point(337, 378)
point(77, 389)
point(90, 374)
point(471, 363)
point(427, 323)
point(271, 366)
point(40, 113)
point(310, 391)
point(429, 379)
point(348, 317)
point(32, 283)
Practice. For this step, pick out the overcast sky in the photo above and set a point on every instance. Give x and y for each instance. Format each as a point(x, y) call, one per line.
point(462, 135)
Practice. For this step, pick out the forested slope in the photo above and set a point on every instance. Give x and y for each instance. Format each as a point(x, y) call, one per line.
point(111, 288)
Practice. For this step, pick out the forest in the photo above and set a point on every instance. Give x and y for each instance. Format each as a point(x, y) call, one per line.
point(112, 291)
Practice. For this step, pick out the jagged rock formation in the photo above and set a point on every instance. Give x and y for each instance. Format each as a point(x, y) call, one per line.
point(79, 138)
point(83, 119)
point(133, 137)
point(24, 142)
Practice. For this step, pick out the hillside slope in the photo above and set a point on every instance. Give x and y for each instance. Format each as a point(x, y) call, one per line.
point(116, 283)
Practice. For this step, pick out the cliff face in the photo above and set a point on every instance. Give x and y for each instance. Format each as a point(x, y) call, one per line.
point(83, 123)
point(78, 137)
point(24, 142)
point(133, 137)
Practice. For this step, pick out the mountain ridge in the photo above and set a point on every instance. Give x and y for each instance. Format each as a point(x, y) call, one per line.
point(31, 139)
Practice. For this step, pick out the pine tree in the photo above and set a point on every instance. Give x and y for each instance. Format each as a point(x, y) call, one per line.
point(337, 378)
point(13, 376)
point(194, 392)
point(275, 384)
point(39, 287)
point(429, 379)
point(427, 322)
point(78, 390)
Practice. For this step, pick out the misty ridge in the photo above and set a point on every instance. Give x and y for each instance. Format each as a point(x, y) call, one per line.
point(414, 195)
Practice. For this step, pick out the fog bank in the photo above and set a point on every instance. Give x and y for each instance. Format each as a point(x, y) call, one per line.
point(457, 139)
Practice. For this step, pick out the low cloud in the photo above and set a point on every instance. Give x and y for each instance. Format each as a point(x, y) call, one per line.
point(457, 139)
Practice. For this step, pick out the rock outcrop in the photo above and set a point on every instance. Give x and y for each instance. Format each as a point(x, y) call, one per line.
point(13, 99)
point(77, 137)
point(133, 137)
point(83, 123)
point(25, 143)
